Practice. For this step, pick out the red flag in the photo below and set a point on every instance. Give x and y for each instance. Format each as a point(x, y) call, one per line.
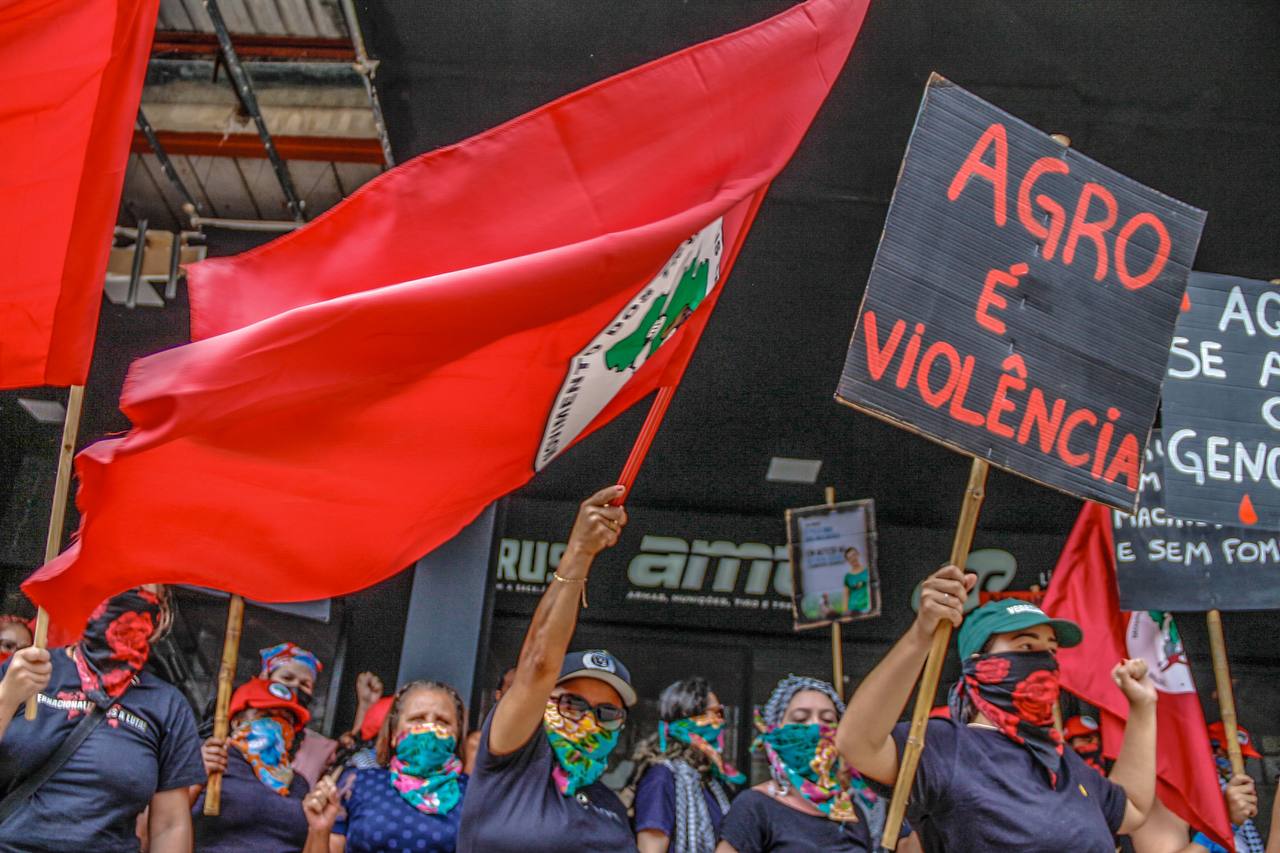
point(1084, 590)
point(71, 72)
point(376, 379)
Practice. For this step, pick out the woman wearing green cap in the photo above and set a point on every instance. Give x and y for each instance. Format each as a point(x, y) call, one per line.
point(995, 775)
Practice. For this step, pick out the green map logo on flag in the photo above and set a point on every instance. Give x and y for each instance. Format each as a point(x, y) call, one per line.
point(1153, 637)
point(649, 320)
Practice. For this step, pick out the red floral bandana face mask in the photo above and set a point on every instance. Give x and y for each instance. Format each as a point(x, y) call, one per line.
point(1016, 691)
point(117, 643)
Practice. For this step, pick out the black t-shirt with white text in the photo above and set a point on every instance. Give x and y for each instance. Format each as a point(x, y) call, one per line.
point(147, 743)
point(513, 806)
point(977, 789)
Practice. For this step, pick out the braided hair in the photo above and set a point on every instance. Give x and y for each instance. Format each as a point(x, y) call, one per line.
point(392, 721)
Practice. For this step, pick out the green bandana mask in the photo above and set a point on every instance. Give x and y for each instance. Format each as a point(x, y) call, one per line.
point(425, 769)
point(581, 748)
point(805, 756)
point(703, 735)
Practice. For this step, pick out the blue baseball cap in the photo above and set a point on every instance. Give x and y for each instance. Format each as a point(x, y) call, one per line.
point(602, 666)
point(1011, 614)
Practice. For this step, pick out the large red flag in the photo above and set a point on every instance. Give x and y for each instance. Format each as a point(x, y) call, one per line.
point(1083, 589)
point(71, 72)
point(368, 384)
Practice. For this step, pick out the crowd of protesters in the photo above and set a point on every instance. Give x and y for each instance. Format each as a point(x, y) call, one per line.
point(115, 758)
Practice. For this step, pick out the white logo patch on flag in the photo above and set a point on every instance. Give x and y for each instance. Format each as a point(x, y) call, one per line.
point(1159, 645)
point(601, 369)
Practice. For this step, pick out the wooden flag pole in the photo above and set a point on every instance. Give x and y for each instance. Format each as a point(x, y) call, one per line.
point(928, 688)
point(837, 643)
point(226, 674)
point(1226, 698)
point(58, 513)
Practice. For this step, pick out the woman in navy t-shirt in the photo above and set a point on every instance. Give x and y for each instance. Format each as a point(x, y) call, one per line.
point(995, 776)
point(412, 801)
point(812, 801)
point(543, 749)
point(143, 753)
point(261, 805)
point(682, 792)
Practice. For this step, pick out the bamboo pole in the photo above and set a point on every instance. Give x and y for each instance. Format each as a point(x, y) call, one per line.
point(226, 674)
point(58, 513)
point(837, 643)
point(928, 689)
point(1226, 698)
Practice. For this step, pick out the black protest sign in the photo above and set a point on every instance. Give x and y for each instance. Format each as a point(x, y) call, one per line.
point(1166, 563)
point(1021, 302)
point(832, 549)
point(1221, 415)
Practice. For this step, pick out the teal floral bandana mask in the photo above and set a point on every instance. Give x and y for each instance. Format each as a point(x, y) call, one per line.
point(805, 755)
point(581, 748)
point(425, 769)
point(706, 734)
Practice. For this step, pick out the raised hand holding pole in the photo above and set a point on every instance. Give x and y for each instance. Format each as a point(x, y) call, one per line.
point(928, 689)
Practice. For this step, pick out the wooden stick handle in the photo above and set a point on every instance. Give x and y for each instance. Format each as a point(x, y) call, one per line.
point(58, 513)
point(837, 643)
point(226, 674)
point(1226, 698)
point(928, 689)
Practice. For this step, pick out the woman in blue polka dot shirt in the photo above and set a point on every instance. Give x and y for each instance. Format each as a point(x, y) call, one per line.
point(412, 801)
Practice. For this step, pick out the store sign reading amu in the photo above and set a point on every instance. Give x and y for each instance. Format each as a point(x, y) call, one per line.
point(1021, 302)
point(666, 563)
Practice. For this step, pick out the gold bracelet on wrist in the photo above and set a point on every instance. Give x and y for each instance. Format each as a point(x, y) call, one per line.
point(582, 581)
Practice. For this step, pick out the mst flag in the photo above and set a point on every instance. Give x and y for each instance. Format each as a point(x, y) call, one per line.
point(71, 72)
point(1083, 589)
point(368, 384)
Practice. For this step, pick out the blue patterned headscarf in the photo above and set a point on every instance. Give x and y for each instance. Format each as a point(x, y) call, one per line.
point(276, 656)
point(787, 688)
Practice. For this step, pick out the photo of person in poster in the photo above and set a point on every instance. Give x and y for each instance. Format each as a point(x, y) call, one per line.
point(833, 563)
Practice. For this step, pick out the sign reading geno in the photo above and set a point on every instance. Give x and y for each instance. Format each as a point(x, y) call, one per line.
point(1222, 404)
point(1021, 302)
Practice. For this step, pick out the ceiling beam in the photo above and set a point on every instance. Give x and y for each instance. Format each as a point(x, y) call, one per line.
point(254, 47)
point(244, 90)
point(333, 149)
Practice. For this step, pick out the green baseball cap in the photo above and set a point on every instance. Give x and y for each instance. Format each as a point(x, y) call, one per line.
point(1011, 614)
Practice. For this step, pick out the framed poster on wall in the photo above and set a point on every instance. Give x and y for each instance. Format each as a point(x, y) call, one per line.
point(832, 548)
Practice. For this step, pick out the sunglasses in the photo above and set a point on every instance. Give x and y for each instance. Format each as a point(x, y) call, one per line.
point(608, 716)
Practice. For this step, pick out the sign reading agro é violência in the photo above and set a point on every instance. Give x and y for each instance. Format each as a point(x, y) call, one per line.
point(1021, 302)
point(832, 548)
point(1170, 564)
point(1221, 413)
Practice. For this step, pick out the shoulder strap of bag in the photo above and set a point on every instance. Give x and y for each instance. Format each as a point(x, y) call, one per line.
point(19, 795)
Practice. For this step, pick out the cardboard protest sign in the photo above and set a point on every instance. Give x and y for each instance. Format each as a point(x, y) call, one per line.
point(1221, 410)
point(832, 548)
point(1166, 563)
point(1021, 302)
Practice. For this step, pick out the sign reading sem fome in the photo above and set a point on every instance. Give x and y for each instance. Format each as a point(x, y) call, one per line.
point(1021, 302)
point(1221, 413)
point(1164, 562)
